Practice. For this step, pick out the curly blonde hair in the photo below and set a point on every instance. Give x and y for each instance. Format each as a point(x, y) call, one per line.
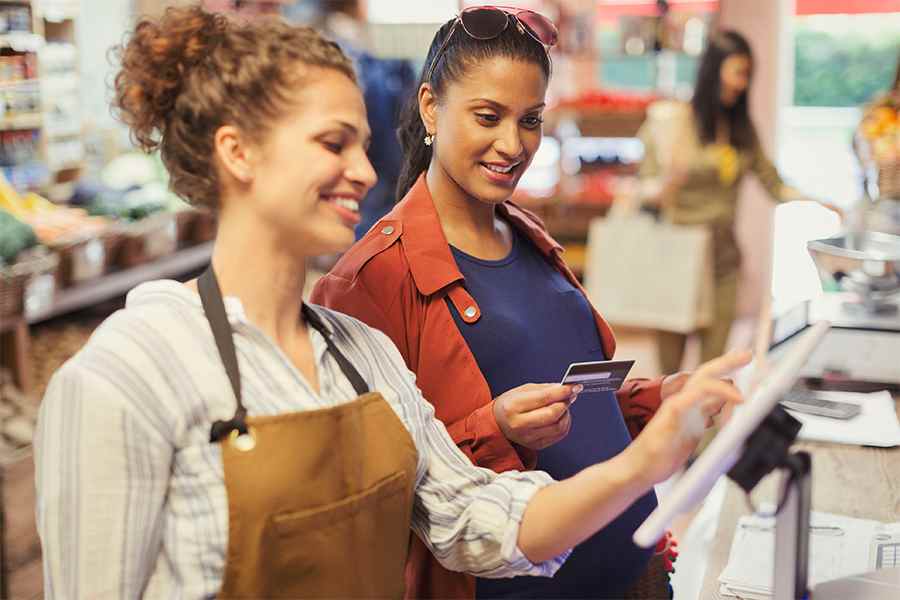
point(189, 72)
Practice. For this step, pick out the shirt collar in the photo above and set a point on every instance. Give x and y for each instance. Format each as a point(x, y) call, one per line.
point(427, 251)
point(170, 290)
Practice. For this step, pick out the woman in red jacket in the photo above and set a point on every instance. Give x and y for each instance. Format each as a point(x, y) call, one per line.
point(475, 294)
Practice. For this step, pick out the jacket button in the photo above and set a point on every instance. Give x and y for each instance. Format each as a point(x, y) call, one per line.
point(388, 230)
point(470, 312)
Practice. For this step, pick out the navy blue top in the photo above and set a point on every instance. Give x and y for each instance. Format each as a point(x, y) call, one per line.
point(533, 324)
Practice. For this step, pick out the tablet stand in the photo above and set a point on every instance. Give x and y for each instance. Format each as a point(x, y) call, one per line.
point(767, 449)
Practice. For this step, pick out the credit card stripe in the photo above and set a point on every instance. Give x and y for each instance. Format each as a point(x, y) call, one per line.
point(589, 377)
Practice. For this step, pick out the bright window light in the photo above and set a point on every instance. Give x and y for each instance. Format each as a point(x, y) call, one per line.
point(392, 11)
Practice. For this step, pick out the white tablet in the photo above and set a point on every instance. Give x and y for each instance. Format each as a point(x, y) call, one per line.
point(727, 446)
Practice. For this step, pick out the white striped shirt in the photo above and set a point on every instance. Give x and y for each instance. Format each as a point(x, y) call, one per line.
point(131, 496)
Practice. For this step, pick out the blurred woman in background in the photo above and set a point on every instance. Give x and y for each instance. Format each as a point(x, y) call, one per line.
point(695, 156)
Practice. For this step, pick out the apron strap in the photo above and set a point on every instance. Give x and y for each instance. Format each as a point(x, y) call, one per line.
point(359, 384)
point(214, 307)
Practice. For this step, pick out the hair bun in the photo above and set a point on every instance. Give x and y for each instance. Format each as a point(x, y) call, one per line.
point(155, 62)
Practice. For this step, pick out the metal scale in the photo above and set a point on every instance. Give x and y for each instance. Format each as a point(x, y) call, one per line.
point(863, 347)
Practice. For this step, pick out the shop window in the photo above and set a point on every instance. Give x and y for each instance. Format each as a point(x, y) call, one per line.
point(391, 11)
point(844, 60)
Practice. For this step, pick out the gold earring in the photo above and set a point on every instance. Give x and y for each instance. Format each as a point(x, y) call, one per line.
point(429, 139)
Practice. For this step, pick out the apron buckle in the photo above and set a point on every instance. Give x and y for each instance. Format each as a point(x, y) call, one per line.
point(242, 442)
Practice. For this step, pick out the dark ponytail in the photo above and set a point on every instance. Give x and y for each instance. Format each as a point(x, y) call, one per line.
point(416, 155)
point(411, 130)
point(461, 53)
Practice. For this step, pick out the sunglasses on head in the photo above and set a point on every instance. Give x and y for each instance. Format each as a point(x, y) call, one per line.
point(488, 22)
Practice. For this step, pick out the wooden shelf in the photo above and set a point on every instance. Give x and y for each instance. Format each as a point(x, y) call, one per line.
point(117, 283)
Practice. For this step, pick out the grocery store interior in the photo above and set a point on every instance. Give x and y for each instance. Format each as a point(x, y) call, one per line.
point(85, 216)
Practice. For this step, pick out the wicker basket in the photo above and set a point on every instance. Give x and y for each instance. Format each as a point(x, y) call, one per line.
point(87, 258)
point(14, 279)
point(148, 239)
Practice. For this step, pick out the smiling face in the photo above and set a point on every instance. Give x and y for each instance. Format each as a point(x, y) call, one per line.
point(487, 126)
point(305, 179)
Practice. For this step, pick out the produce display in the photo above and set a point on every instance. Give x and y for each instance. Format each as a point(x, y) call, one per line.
point(131, 187)
point(608, 101)
point(880, 129)
point(596, 188)
point(53, 224)
point(132, 205)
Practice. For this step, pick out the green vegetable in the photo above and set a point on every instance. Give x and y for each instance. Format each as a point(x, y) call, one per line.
point(15, 236)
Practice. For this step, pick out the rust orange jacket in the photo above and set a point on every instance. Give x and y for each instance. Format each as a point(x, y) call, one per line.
point(396, 279)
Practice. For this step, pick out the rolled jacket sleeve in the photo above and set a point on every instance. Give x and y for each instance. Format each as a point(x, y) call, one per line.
point(479, 436)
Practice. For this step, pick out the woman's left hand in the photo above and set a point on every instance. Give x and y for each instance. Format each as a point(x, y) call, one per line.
point(674, 383)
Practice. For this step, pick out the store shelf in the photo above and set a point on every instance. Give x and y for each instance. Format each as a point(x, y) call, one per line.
point(117, 283)
point(18, 122)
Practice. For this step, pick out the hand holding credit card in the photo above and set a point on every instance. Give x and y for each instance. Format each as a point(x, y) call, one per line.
point(598, 376)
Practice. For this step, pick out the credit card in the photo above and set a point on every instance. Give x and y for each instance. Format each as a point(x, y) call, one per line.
point(598, 376)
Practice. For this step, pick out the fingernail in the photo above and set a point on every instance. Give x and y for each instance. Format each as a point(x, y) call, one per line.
point(578, 389)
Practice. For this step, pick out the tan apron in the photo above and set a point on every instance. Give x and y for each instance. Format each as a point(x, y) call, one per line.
point(319, 501)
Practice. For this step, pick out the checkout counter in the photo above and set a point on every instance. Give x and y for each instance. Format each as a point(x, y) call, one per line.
point(861, 352)
point(856, 481)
